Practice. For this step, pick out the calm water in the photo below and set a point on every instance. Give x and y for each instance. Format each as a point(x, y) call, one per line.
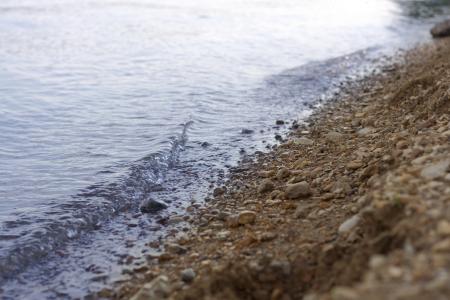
point(105, 103)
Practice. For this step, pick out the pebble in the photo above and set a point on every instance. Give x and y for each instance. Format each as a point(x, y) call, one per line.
point(233, 221)
point(441, 29)
point(175, 220)
point(157, 289)
point(343, 293)
point(283, 173)
point(266, 186)
point(301, 211)
point(349, 224)
point(188, 275)
point(175, 248)
point(443, 228)
point(303, 141)
point(354, 165)
point(246, 217)
point(435, 170)
point(247, 131)
point(266, 174)
point(442, 246)
point(268, 236)
point(218, 191)
point(365, 131)
point(223, 235)
point(298, 190)
point(333, 136)
point(152, 206)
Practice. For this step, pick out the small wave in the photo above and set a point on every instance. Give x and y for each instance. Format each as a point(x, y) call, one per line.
point(91, 208)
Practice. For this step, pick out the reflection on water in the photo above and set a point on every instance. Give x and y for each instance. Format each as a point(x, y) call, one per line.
point(107, 102)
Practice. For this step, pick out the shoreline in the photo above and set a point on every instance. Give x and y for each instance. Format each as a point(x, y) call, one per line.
point(355, 203)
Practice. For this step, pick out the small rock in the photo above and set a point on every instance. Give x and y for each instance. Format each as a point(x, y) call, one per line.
point(283, 173)
point(280, 267)
point(268, 236)
point(279, 122)
point(333, 136)
point(223, 215)
point(163, 257)
point(266, 174)
point(183, 239)
point(175, 220)
point(435, 170)
point(218, 191)
point(301, 211)
point(247, 131)
point(298, 190)
point(442, 246)
point(187, 275)
point(365, 131)
point(343, 293)
point(342, 186)
point(223, 235)
point(402, 145)
point(354, 165)
point(157, 289)
point(233, 221)
point(349, 224)
point(175, 248)
point(152, 206)
point(441, 29)
point(303, 141)
point(443, 228)
point(246, 217)
point(266, 186)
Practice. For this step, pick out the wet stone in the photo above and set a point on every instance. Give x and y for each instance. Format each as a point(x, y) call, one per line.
point(218, 191)
point(152, 206)
point(441, 29)
point(188, 275)
point(247, 131)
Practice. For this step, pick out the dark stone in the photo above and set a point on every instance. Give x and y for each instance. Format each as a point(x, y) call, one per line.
point(218, 191)
point(279, 122)
point(247, 131)
point(152, 206)
point(441, 29)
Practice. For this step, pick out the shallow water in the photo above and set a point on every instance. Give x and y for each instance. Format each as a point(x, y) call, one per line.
point(106, 103)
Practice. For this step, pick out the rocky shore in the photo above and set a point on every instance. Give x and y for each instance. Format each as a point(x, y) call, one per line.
point(356, 204)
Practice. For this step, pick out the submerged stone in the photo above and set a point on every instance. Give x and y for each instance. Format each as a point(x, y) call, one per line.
point(152, 206)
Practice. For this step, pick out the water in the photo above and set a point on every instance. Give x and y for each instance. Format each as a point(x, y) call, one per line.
point(105, 103)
